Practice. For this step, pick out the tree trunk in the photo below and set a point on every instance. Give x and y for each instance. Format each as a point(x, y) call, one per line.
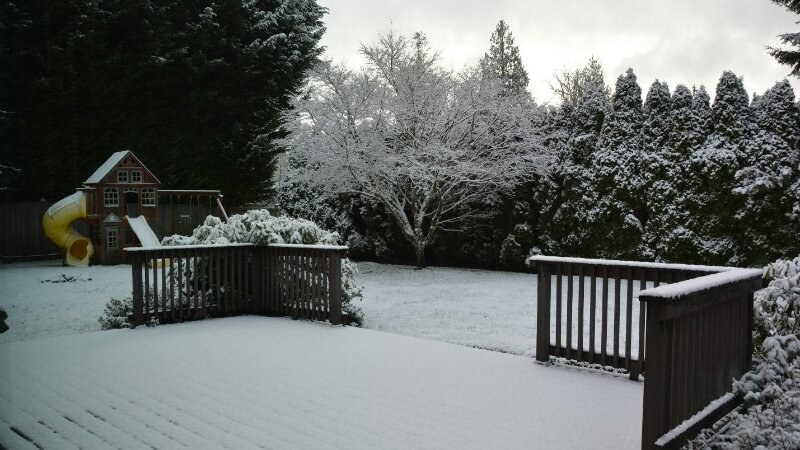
point(419, 252)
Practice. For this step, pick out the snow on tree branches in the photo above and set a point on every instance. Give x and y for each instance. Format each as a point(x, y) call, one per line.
point(421, 141)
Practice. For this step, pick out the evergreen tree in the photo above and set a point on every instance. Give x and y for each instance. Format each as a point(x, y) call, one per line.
point(773, 167)
point(785, 56)
point(503, 61)
point(195, 90)
point(669, 236)
point(618, 214)
point(567, 194)
point(714, 165)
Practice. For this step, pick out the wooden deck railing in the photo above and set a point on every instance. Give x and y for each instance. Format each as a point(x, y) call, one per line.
point(588, 310)
point(693, 324)
point(192, 282)
point(699, 338)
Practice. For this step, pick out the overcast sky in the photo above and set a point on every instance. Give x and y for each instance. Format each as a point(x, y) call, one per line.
point(680, 41)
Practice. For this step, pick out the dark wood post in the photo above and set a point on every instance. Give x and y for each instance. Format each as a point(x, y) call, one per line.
point(257, 276)
point(543, 312)
point(335, 265)
point(656, 386)
point(137, 262)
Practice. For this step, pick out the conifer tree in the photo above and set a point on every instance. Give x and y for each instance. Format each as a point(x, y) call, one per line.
point(503, 62)
point(567, 197)
point(714, 166)
point(770, 228)
point(789, 56)
point(669, 233)
point(618, 215)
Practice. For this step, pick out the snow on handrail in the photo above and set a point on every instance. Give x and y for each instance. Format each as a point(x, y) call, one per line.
point(195, 246)
point(644, 265)
point(701, 284)
point(311, 246)
point(181, 247)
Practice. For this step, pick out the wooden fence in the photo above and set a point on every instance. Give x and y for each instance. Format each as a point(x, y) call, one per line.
point(193, 282)
point(690, 339)
point(21, 233)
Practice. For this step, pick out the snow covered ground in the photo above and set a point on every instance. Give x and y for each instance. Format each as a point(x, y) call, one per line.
point(478, 308)
point(254, 382)
point(40, 302)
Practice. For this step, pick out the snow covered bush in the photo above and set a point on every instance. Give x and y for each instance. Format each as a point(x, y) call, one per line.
point(116, 314)
point(770, 417)
point(259, 227)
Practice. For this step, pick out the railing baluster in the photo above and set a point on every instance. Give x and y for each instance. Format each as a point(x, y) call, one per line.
point(569, 351)
point(580, 312)
point(559, 276)
point(617, 308)
point(629, 319)
point(593, 314)
point(604, 320)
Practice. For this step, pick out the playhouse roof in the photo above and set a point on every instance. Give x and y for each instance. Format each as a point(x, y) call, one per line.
point(110, 164)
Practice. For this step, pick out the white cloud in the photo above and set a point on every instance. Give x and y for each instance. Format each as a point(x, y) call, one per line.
point(684, 41)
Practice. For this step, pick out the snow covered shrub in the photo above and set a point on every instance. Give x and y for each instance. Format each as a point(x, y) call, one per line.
point(770, 417)
point(777, 307)
point(261, 228)
point(116, 314)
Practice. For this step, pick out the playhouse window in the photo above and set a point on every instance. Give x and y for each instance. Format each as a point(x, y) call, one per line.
point(111, 197)
point(148, 197)
point(122, 176)
point(136, 176)
point(112, 238)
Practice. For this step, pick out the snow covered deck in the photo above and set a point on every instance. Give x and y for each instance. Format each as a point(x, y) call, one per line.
point(255, 382)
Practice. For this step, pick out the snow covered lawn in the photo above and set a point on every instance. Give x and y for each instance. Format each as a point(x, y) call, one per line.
point(40, 302)
point(478, 308)
point(254, 382)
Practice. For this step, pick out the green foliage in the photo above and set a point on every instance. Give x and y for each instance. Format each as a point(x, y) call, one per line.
point(195, 89)
point(503, 62)
point(789, 56)
point(116, 314)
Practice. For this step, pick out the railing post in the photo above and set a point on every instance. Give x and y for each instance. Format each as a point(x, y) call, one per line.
point(335, 265)
point(256, 279)
point(543, 312)
point(137, 261)
point(656, 385)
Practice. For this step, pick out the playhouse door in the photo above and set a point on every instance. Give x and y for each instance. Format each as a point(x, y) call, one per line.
point(132, 204)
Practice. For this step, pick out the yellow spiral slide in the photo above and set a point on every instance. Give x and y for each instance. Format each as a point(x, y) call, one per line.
point(56, 223)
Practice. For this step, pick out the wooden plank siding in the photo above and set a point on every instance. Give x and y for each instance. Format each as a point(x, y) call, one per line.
point(194, 282)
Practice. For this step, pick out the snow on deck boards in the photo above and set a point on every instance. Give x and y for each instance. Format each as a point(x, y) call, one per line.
point(254, 382)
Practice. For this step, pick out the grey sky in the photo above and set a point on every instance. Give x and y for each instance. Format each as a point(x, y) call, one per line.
point(679, 41)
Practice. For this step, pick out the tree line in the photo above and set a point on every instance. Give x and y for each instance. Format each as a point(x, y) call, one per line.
point(671, 177)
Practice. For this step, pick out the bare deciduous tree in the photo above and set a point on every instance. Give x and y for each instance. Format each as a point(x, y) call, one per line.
point(570, 85)
point(422, 141)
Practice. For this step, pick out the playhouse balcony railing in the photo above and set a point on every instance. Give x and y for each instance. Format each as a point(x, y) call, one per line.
point(688, 329)
point(181, 283)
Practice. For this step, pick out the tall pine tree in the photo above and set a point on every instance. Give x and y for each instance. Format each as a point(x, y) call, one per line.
point(618, 214)
point(714, 164)
point(770, 228)
point(789, 56)
point(503, 62)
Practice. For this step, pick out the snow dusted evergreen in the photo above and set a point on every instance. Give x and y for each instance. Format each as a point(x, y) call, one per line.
point(615, 221)
point(789, 56)
point(766, 181)
point(502, 61)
